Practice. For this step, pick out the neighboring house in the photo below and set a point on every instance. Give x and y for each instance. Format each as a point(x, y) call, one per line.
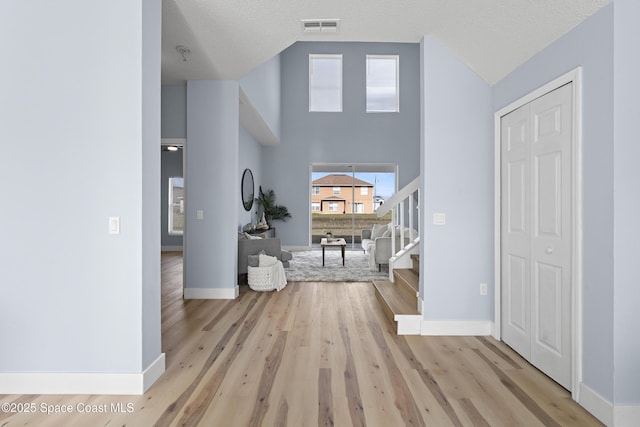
point(340, 193)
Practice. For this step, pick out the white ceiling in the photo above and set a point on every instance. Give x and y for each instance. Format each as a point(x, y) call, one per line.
point(228, 38)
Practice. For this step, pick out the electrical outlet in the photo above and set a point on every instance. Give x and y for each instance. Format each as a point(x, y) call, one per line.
point(483, 289)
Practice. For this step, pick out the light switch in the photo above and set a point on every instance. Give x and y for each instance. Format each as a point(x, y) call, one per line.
point(484, 289)
point(439, 218)
point(114, 225)
point(199, 214)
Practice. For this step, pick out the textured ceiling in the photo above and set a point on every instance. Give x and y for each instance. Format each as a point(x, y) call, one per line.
point(228, 38)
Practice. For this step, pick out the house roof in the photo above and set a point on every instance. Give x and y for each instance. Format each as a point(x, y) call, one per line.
point(339, 180)
point(227, 39)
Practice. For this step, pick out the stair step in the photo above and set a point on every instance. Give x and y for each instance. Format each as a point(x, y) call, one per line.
point(407, 281)
point(415, 258)
point(393, 301)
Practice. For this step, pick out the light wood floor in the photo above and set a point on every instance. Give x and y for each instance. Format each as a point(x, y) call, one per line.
point(318, 354)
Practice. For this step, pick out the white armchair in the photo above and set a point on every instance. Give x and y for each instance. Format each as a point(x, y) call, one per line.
point(376, 242)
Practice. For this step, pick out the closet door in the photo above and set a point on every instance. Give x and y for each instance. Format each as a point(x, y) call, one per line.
point(536, 232)
point(515, 229)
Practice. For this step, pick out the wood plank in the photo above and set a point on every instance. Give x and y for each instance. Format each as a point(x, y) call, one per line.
point(269, 372)
point(325, 398)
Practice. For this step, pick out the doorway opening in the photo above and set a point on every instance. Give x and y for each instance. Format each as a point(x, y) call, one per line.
point(172, 187)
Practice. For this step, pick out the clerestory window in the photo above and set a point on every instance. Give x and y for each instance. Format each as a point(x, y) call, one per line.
point(325, 83)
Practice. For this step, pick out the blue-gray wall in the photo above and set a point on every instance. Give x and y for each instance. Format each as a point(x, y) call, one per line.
point(174, 112)
point(352, 136)
point(151, 42)
point(212, 185)
point(457, 180)
point(171, 166)
point(84, 132)
point(262, 87)
point(626, 152)
point(250, 158)
point(590, 45)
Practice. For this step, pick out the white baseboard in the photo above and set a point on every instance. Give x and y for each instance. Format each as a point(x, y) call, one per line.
point(408, 324)
point(606, 412)
point(82, 383)
point(153, 372)
point(456, 327)
point(626, 416)
point(597, 405)
point(179, 248)
point(212, 293)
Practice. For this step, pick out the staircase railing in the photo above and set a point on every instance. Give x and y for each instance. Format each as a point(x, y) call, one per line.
point(404, 204)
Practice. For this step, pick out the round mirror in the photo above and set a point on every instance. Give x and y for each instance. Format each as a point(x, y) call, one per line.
point(247, 189)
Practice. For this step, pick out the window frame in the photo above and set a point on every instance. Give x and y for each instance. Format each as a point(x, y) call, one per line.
point(170, 218)
point(313, 56)
point(397, 95)
point(336, 190)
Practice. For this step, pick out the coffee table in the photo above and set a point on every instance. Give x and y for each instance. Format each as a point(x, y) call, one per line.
point(333, 243)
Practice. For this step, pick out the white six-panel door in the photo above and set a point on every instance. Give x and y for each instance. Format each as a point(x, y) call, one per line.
point(536, 150)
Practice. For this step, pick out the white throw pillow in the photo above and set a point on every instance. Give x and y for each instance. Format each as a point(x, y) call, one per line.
point(266, 260)
point(378, 230)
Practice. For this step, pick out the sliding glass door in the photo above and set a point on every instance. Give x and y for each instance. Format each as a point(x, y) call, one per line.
point(344, 198)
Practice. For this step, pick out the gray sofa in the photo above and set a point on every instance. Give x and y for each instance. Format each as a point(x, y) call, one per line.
point(271, 246)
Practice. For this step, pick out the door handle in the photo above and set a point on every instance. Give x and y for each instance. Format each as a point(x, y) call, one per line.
point(549, 250)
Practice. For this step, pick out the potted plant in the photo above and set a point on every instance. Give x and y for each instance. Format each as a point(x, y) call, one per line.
point(267, 202)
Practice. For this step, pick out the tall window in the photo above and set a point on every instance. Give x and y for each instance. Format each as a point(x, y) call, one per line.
point(325, 83)
point(176, 206)
point(336, 190)
point(364, 191)
point(315, 190)
point(382, 83)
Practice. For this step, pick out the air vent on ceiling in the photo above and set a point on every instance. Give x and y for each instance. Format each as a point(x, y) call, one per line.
point(320, 25)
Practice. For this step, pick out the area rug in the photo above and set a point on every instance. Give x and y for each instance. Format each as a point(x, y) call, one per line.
point(306, 266)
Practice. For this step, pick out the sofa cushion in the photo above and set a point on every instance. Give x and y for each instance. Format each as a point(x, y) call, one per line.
point(378, 230)
point(267, 260)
